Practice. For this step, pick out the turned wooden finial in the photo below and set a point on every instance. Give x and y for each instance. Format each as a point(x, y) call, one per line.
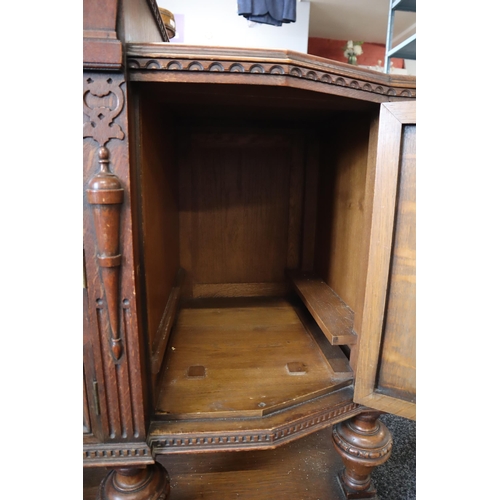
point(103, 156)
point(105, 194)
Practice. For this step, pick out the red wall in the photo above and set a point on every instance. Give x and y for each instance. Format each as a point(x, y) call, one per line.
point(334, 49)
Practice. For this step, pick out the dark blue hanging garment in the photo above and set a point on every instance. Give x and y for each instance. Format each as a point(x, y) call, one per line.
point(274, 12)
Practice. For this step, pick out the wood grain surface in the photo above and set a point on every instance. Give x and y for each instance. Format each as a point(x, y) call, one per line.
point(341, 209)
point(333, 316)
point(385, 373)
point(245, 346)
point(159, 212)
point(397, 373)
point(235, 208)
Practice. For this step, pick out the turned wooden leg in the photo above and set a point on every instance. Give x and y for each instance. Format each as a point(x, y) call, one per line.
point(363, 443)
point(135, 483)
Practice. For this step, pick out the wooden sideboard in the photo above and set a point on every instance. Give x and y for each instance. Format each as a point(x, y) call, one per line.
point(249, 251)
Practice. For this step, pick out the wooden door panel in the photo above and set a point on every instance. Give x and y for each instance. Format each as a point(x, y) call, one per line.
point(386, 370)
point(396, 374)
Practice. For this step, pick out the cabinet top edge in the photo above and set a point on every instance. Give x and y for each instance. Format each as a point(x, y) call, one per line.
point(213, 55)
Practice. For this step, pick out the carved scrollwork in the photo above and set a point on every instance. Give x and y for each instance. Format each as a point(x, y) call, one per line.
point(100, 125)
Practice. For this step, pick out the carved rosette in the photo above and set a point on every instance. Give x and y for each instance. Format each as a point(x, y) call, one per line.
point(149, 483)
point(363, 443)
point(102, 103)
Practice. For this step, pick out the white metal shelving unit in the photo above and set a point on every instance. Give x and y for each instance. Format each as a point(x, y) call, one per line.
point(406, 49)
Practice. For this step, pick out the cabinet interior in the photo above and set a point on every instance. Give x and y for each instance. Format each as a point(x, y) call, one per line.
point(252, 204)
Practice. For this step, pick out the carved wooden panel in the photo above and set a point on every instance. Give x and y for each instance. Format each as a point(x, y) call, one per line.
point(109, 258)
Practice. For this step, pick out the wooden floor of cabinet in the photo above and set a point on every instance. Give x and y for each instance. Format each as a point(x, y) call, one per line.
point(305, 469)
point(245, 357)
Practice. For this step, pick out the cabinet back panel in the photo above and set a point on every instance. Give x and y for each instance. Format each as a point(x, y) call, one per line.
point(240, 197)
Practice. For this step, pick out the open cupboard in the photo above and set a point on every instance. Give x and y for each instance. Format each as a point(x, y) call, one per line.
point(249, 252)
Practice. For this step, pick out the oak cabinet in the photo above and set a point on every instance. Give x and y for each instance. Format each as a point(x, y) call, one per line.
point(249, 243)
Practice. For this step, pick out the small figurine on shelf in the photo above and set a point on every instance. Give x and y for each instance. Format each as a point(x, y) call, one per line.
point(352, 50)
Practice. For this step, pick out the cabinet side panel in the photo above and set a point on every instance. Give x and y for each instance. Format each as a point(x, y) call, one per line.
point(397, 375)
point(160, 217)
point(341, 210)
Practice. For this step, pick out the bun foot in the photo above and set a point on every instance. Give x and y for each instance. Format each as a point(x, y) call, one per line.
point(133, 483)
point(363, 443)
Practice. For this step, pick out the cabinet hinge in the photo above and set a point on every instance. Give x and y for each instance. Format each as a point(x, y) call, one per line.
point(95, 392)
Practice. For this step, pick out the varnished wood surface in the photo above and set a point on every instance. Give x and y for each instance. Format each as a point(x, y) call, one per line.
point(119, 386)
point(101, 47)
point(341, 210)
point(391, 202)
point(250, 246)
point(166, 324)
point(159, 211)
point(108, 23)
point(333, 316)
point(363, 232)
point(209, 435)
point(171, 62)
point(397, 374)
point(239, 206)
point(302, 470)
point(241, 357)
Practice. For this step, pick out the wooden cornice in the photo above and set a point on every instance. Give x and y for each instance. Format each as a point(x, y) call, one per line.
point(170, 62)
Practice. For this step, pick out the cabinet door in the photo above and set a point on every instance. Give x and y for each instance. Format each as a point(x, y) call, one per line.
point(386, 369)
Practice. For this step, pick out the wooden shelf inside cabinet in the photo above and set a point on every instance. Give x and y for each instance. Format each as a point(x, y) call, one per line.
point(332, 315)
